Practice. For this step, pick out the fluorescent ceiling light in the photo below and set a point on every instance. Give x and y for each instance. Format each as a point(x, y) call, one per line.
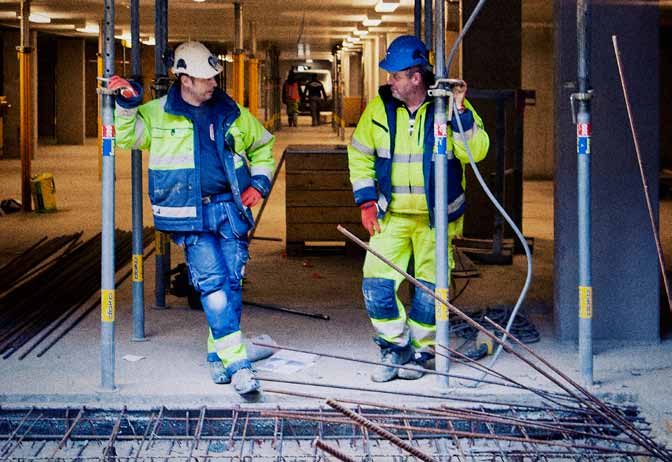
point(149, 41)
point(386, 6)
point(39, 18)
point(372, 20)
point(199, 1)
point(361, 31)
point(89, 29)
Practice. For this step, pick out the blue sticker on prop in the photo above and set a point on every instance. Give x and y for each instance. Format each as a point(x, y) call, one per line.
point(108, 147)
point(441, 145)
point(583, 145)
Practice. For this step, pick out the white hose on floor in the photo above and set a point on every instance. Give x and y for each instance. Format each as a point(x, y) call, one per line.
point(518, 233)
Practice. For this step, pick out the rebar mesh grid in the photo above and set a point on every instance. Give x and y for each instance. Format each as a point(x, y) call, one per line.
point(440, 434)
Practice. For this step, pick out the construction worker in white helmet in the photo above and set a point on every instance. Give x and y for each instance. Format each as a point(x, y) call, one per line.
point(210, 162)
point(392, 169)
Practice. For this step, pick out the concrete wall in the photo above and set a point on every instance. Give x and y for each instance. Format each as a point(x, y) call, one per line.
point(625, 276)
point(537, 75)
point(70, 85)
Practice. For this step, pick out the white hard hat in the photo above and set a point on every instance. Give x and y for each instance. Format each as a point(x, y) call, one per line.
point(195, 60)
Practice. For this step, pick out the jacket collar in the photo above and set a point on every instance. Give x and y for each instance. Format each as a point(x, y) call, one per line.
point(385, 92)
point(222, 105)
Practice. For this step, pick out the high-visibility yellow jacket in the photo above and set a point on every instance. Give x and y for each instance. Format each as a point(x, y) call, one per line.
point(395, 168)
point(163, 126)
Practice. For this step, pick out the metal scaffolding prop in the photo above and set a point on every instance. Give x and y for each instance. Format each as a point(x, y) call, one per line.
point(583, 149)
point(138, 279)
point(160, 86)
point(345, 429)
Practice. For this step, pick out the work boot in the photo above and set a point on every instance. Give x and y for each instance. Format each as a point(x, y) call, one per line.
point(218, 372)
point(408, 374)
point(244, 382)
point(391, 357)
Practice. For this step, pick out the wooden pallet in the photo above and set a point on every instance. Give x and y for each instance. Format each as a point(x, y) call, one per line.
point(318, 197)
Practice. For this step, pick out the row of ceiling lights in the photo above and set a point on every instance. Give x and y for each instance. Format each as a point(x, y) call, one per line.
point(371, 20)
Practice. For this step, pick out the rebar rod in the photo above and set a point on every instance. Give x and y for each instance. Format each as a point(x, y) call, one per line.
point(68, 432)
point(109, 449)
point(85, 313)
point(593, 402)
point(377, 363)
point(380, 431)
point(645, 184)
point(491, 435)
point(470, 414)
point(590, 400)
point(11, 263)
point(337, 453)
point(467, 361)
point(16, 430)
point(390, 392)
point(11, 449)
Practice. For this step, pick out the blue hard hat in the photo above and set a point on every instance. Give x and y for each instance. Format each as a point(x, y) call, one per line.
point(404, 52)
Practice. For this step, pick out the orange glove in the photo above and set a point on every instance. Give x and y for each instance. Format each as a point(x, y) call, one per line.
point(250, 197)
point(123, 85)
point(370, 217)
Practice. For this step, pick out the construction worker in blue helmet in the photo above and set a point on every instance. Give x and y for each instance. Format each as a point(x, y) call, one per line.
point(392, 173)
point(210, 162)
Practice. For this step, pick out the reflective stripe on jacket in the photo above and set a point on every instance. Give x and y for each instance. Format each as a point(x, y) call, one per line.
point(163, 126)
point(372, 152)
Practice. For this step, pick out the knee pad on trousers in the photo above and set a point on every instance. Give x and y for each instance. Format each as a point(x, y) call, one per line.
point(422, 308)
point(380, 298)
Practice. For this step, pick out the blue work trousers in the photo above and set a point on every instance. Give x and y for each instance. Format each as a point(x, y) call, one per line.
point(216, 258)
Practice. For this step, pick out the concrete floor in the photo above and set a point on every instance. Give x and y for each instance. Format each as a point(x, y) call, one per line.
point(173, 371)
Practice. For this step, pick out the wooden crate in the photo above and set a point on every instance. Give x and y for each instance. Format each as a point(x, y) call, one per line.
point(318, 197)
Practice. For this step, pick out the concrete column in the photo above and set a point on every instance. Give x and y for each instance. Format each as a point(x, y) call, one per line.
point(491, 60)
point(11, 122)
point(70, 94)
point(625, 275)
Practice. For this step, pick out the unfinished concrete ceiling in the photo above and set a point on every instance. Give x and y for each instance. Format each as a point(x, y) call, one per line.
point(320, 24)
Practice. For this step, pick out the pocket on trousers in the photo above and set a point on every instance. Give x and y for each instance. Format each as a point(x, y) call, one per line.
point(237, 222)
point(184, 239)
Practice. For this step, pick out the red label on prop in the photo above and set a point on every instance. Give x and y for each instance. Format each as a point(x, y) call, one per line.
point(108, 131)
point(583, 129)
point(440, 130)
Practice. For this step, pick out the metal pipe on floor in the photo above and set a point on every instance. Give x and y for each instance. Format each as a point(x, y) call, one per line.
point(107, 290)
point(441, 194)
point(136, 198)
point(583, 135)
point(25, 106)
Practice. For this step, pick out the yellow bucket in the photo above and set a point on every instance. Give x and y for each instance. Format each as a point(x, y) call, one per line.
point(44, 192)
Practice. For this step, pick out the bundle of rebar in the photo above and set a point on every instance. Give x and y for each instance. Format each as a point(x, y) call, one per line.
point(56, 288)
